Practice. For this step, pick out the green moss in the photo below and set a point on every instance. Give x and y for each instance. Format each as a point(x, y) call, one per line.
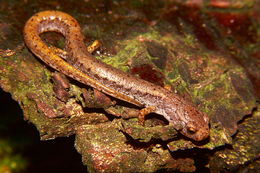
point(189, 40)
point(120, 60)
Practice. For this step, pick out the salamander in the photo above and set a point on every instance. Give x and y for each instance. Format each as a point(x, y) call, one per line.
point(85, 68)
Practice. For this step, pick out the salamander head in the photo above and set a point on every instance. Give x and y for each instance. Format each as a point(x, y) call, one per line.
point(196, 124)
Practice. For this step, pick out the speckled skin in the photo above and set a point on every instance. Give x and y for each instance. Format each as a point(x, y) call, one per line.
point(82, 66)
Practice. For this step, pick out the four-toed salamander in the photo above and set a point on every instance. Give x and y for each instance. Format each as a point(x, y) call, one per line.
point(83, 67)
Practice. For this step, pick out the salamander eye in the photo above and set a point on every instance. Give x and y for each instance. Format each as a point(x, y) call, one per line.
point(191, 128)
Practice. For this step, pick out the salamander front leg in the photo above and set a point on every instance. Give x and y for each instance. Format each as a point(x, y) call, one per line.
point(94, 46)
point(143, 112)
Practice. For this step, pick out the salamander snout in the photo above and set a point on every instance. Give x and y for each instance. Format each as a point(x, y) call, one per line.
point(196, 131)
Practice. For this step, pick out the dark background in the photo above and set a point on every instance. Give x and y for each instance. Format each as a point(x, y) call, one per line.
point(50, 156)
